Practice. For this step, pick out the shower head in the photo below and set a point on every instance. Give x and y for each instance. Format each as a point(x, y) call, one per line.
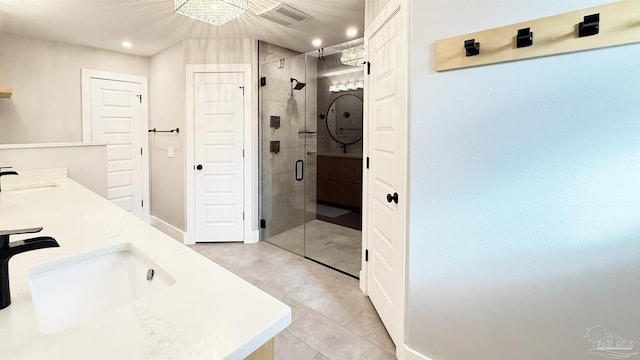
point(299, 85)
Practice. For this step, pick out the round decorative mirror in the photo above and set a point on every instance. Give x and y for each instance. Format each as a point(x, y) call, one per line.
point(344, 119)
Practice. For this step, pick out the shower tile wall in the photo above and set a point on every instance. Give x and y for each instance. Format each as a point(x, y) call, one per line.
point(283, 198)
point(269, 52)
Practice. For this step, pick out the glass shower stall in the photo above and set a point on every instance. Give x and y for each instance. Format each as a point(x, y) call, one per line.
point(291, 217)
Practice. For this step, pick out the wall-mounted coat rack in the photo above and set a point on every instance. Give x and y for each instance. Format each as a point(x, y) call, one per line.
point(570, 32)
point(176, 130)
point(5, 92)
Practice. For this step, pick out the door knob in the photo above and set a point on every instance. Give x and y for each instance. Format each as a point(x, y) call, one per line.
point(393, 198)
point(199, 167)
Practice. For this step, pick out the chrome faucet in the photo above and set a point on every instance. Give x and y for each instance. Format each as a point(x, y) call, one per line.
point(8, 249)
point(2, 173)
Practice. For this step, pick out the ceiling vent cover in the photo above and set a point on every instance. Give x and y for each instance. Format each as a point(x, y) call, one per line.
point(285, 15)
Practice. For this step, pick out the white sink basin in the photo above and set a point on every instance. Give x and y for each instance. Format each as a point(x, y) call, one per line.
point(69, 291)
point(30, 187)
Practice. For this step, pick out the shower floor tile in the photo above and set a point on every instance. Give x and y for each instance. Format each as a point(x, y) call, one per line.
point(337, 246)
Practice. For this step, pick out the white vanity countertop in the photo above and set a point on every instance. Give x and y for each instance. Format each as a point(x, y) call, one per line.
point(48, 145)
point(208, 313)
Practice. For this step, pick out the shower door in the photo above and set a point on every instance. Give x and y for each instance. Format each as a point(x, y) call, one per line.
point(290, 216)
point(283, 164)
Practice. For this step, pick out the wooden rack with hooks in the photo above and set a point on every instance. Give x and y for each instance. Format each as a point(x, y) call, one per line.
point(618, 24)
point(5, 92)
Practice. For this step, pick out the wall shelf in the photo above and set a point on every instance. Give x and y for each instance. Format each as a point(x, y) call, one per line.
point(5, 92)
point(558, 34)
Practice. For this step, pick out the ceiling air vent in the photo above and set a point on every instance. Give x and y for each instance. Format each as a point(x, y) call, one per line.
point(285, 15)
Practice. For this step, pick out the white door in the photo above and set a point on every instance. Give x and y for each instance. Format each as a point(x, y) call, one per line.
point(116, 119)
point(218, 155)
point(386, 176)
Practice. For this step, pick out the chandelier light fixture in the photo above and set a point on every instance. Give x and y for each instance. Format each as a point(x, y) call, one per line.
point(216, 12)
point(353, 56)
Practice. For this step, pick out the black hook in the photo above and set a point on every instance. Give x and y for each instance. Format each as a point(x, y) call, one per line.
point(590, 25)
point(524, 38)
point(472, 47)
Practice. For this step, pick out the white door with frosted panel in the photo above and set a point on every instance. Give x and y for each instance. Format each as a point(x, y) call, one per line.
point(116, 120)
point(386, 176)
point(219, 174)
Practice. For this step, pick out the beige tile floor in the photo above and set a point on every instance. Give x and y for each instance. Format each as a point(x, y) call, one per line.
point(334, 245)
point(331, 319)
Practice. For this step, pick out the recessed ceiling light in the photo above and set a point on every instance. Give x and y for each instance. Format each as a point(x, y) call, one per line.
point(127, 44)
point(352, 32)
point(316, 42)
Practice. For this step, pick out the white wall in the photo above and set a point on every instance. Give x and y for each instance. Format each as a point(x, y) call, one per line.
point(220, 51)
point(234, 51)
point(525, 196)
point(167, 111)
point(45, 77)
point(85, 164)
point(46, 103)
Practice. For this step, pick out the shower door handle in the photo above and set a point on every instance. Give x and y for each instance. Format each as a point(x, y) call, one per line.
point(300, 174)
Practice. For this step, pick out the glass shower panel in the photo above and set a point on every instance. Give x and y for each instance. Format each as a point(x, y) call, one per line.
point(282, 165)
point(333, 222)
point(310, 178)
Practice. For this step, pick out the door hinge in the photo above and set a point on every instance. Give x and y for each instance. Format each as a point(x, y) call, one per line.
point(367, 162)
point(243, 153)
point(140, 151)
point(366, 255)
point(263, 224)
point(142, 203)
point(263, 81)
point(139, 97)
point(242, 87)
point(368, 67)
point(243, 215)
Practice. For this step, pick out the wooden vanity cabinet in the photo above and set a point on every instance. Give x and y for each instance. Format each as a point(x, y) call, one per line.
point(340, 180)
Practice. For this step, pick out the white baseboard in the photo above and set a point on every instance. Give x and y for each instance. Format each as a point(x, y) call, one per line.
point(253, 237)
point(187, 238)
point(167, 228)
point(410, 354)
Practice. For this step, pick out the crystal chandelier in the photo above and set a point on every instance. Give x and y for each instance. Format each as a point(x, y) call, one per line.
point(216, 12)
point(353, 56)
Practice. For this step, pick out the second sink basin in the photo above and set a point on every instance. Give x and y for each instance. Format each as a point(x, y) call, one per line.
point(31, 187)
point(67, 292)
